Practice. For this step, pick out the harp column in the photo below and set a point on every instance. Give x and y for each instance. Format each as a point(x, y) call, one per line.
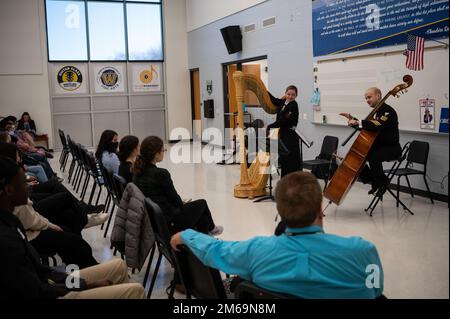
point(238, 77)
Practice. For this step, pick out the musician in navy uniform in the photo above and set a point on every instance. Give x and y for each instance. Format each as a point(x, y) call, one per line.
point(386, 146)
point(288, 141)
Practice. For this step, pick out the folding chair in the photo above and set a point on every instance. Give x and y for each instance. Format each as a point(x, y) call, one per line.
point(417, 154)
point(325, 163)
point(162, 239)
point(201, 281)
point(390, 175)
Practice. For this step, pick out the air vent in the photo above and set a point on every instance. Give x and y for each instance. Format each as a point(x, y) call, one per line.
point(268, 22)
point(250, 27)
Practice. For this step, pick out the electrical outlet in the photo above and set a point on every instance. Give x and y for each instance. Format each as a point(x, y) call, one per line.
point(305, 116)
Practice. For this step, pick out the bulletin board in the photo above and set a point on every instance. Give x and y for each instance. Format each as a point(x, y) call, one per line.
point(342, 83)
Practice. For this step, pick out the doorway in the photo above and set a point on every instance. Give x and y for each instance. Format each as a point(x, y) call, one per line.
point(256, 66)
point(196, 105)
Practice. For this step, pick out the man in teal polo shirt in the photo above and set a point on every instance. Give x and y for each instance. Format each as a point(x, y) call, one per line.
point(303, 261)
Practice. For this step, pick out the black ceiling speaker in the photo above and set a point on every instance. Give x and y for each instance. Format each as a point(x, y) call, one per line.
point(232, 37)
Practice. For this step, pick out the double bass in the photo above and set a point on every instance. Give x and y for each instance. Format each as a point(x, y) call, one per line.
point(350, 168)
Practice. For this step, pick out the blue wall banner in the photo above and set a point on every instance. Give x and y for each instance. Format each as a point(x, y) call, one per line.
point(443, 124)
point(346, 25)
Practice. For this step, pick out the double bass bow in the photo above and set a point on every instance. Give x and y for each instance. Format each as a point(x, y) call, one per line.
point(350, 168)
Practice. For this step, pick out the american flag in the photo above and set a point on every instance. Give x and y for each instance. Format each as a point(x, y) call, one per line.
point(414, 52)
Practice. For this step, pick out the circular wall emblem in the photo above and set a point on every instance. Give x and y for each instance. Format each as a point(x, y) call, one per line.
point(108, 78)
point(69, 78)
point(146, 76)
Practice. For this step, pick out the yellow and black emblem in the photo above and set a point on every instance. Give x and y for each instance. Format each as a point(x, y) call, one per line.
point(69, 78)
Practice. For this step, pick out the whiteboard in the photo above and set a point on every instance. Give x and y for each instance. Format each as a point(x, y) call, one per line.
point(343, 82)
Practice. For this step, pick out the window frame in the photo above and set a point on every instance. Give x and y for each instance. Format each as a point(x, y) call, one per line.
point(124, 4)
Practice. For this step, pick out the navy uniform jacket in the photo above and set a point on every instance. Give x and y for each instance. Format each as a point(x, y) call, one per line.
point(386, 122)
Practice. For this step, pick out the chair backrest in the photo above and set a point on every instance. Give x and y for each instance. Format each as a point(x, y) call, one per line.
point(329, 147)
point(62, 137)
point(160, 230)
point(248, 290)
point(200, 281)
point(119, 185)
point(418, 153)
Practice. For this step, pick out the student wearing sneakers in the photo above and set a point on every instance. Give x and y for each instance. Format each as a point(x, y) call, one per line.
point(304, 261)
point(156, 183)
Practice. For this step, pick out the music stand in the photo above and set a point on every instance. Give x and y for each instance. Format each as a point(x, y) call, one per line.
point(303, 140)
point(225, 161)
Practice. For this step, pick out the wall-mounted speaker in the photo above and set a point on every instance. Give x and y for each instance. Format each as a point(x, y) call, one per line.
point(232, 37)
point(208, 109)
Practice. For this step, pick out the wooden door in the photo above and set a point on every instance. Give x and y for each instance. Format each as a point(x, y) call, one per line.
point(196, 105)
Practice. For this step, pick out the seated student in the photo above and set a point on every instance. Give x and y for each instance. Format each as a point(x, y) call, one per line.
point(106, 152)
point(156, 183)
point(27, 124)
point(21, 273)
point(304, 261)
point(128, 150)
point(50, 238)
point(56, 202)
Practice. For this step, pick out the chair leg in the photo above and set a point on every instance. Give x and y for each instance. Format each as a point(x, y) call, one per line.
point(94, 185)
point(109, 220)
point(107, 202)
point(98, 196)
point(409, 185)
point(85, 187)
point(428, 189)
point(149, 265)
point(155, 273)
point(398, 189)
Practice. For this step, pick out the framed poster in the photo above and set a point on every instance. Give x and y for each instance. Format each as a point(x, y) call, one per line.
point(146, 77)
point(427, 117)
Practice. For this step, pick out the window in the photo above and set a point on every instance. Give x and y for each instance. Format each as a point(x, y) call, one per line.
point(144, 32)
point(106, 31)
point(73, 25)
point(66, 31)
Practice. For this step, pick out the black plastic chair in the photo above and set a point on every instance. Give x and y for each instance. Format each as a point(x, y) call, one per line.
point(65, 150)
point(417, 154)
point(110, 198)
point(248, 290)
point(324, 165)
point(162, 240)
point(119, 184)
point(201, 281)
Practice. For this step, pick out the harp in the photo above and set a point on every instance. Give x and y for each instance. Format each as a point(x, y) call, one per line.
point(253, 180)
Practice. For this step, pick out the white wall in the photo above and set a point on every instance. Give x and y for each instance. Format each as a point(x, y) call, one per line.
point(21, 92)
point(203, 12)
point(177, 72)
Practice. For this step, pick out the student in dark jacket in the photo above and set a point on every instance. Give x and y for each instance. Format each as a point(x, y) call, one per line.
point(156, 183)
point(21, 273)
point(288, 140)
point(27, 124)
point(128, 151)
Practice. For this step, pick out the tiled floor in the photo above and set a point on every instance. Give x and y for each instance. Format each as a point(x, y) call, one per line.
point(414, 249)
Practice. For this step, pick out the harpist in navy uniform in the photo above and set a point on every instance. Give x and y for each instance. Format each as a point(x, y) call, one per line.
point(287, 119)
